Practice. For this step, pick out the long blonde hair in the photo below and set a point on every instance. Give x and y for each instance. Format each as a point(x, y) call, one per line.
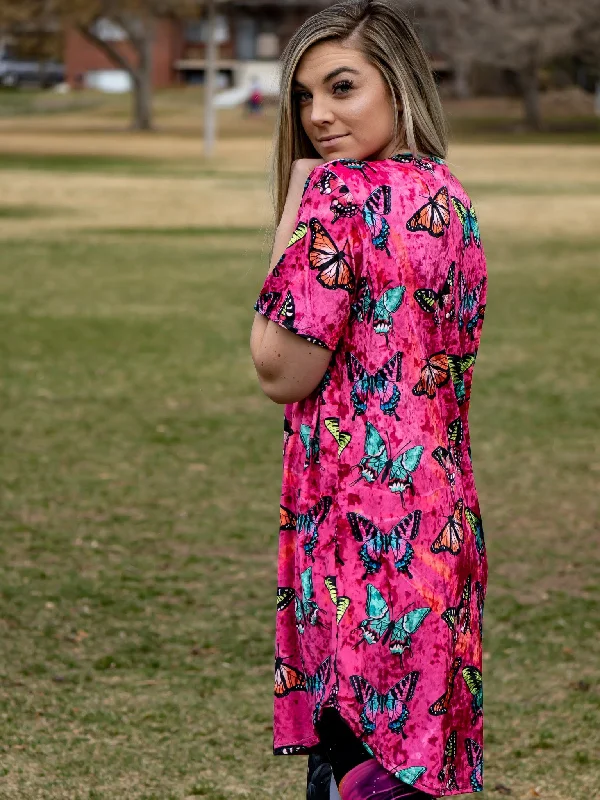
point(388, 40)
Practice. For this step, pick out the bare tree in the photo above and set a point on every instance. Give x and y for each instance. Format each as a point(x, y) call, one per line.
point(520, 35)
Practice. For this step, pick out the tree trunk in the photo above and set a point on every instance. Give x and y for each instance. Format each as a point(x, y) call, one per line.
point(142, 82)
point(528, 80)
point(461, 83)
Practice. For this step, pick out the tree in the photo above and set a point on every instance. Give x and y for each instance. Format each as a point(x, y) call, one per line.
point(520, 35)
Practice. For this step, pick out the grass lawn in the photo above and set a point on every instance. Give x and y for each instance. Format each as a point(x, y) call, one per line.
point(140, 477)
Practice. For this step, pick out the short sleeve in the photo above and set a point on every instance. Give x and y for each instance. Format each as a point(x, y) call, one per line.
point(310, 290)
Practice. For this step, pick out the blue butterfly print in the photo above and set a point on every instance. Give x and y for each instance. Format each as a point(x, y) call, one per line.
point(474, 681)
point(307, 523)
point(377, 311)
point(379, 625)
point(377, 544)
point(469, 222)
point(381, 384)
point(475, 759)
point(311, 443)
point(476, 529)
point(378, 463)
point(417, 161)
point(317, 684)
point(307, 610)
point(480, 596)
point(376, 205)
point(393, 702)
point(470, 308)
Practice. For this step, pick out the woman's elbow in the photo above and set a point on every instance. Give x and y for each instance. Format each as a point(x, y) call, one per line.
point(283, 392)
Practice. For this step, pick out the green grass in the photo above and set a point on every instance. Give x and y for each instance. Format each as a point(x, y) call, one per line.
point(26, 212)
point(140, 478)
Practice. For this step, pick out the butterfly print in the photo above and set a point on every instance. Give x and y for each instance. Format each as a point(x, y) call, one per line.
point(458, 618)
point(307, 523)
point(434, 374)
point(291, 750)
point(409, 774)
point(299, 233)
point(311, 442)
point(433, 217)
point(380, 627)
point(317, 684)
point(340, 602)
point(377, 204)
point(285, 595)
point(475, 760)
point(451, 536)
point(287, 312)
point(455, 439)
point(446, 462)
point(458, 365)
point(440, 304)
point(393, 702)
point(287, 432)
point(381, 384)
point(342, 203)
point(352, 163)
point(377, 544)
point(378, 463)
point(442, 704)
point(447, 774)
point(408, 158)
point(476, 528)
point(480, 596)
point(470, 308)
point(267, 302)
point(334, 270)
point(377, 311)
point(474, 681)
point(469, 222)
point(287, 678)
point(343, 438)
point(307, 610)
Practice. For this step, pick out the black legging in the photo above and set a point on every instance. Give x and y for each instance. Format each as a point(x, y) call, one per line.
point(344, 750)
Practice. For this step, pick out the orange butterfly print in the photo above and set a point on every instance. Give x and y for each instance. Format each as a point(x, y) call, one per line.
point(287, 519)
point(452, 534)
point(287, 678)
point(334, 270)
point(433, 217)
point(434, 374)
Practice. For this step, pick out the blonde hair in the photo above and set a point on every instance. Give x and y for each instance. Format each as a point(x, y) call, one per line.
point(388, 40)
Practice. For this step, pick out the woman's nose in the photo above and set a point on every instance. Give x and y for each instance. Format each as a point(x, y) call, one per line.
point(320, 112)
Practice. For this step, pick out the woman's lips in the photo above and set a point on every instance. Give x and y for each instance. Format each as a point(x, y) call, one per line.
point(335, 140)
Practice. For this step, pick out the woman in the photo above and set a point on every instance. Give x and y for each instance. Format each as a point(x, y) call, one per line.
point(367, 329)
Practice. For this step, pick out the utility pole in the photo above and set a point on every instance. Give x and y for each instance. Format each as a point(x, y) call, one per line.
point(210, 74)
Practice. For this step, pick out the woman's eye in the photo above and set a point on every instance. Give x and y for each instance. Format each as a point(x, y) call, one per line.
point(343, 86)
point(302, 97)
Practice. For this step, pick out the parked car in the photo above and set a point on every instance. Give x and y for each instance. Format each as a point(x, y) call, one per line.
point(18, 72)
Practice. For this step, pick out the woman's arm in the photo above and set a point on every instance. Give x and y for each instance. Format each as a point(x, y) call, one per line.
point(289, 367)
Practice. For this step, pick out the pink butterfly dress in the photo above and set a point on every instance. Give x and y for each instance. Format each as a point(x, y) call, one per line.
point(382, 564)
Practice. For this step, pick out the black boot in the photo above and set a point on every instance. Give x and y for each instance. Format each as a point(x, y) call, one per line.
point(318, 778)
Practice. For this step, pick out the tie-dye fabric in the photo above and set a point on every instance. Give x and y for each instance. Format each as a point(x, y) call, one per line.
point(382, 565)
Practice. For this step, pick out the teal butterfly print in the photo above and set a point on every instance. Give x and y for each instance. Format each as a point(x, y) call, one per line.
point(458, 365)
point(378, 463)
point(469, 222)
point(376, 205)
point(470, 307)
point(377, 544)
point(308, 524)
point(417, 161)
point(477, 529)
point(381, 384)
point(311, 441)
point(480, 595)
point(474, 681)
point(379, 625)
point(455, 439)
point(475, 760)
point(447, 774)
point(377, 312)
point(354, 164)
point(410, 774)
point(307, 610)
point(393, 702)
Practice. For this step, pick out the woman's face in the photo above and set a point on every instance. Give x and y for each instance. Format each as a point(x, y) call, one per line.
point(345, 105)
